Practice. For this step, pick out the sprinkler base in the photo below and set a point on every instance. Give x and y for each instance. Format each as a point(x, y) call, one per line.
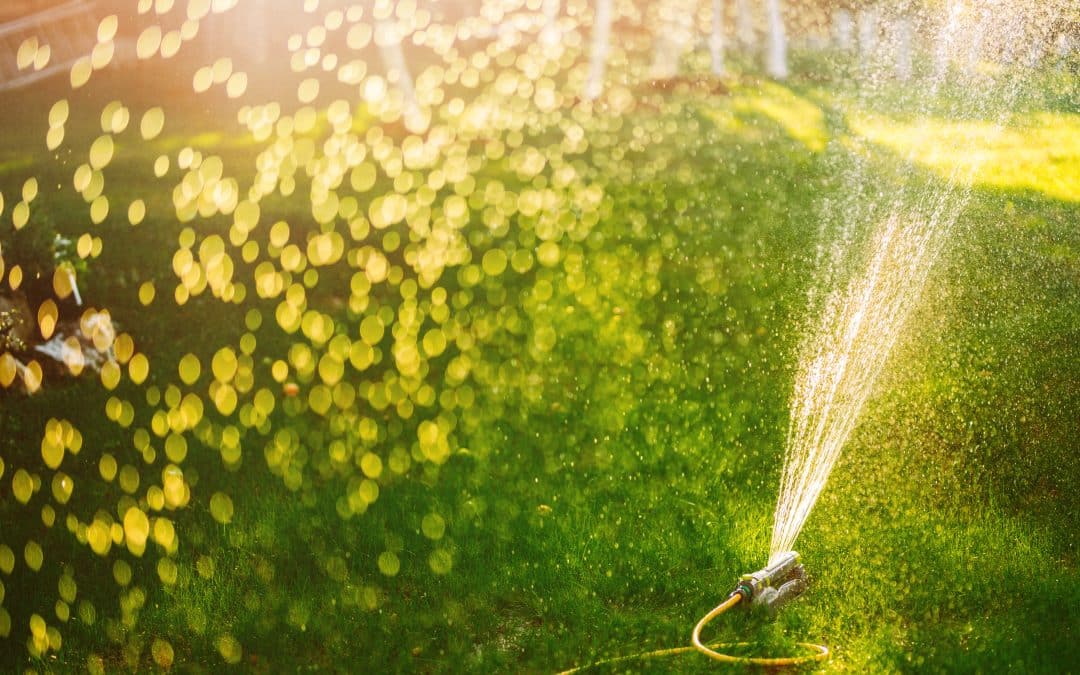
point(782, 580)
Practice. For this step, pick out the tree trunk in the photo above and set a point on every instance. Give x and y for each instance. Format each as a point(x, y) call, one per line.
point(393, 58)
point(601, 37)
point(716, 41)
point(903, 33)
point(945, 41)
point(1063, 48)
point(973, 53)
point(868, 33)
point(744, 24)
point(843, 29)
point(676, 28)
point(776, 64)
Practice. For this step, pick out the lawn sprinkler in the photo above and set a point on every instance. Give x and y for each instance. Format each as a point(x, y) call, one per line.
point(783, 579)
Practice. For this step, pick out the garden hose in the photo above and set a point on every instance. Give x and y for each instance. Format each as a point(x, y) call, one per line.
point(820, 652)
point(780, 581)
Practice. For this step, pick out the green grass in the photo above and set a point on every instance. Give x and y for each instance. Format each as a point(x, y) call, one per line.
point(615, 488)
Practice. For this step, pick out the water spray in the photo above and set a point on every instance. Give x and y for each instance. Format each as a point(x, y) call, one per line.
point(860, 322)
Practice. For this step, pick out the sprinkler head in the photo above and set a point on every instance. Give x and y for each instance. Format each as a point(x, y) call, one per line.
point(783, 579)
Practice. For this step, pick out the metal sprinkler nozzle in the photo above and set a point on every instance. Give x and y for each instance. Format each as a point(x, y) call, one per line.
point(783, 579)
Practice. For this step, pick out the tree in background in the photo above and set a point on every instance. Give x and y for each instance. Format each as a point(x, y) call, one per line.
point(675, 36)
point(388, 38)
point(776, 61)
point(843, 28)
point(716, 38)
point(598, 50)
point(744, 26)
point(869, 21)
point(903, 36)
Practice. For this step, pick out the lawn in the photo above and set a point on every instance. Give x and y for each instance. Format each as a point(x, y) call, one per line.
point(567, 447)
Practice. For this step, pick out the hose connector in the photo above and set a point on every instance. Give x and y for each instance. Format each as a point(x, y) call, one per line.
point(783, 579)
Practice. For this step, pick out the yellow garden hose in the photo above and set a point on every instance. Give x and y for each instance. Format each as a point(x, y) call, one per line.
point(820, 652)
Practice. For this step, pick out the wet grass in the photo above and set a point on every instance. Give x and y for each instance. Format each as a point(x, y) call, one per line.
point(606, 516)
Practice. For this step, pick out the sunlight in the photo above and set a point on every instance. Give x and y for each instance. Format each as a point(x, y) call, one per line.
point(1039, 152)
